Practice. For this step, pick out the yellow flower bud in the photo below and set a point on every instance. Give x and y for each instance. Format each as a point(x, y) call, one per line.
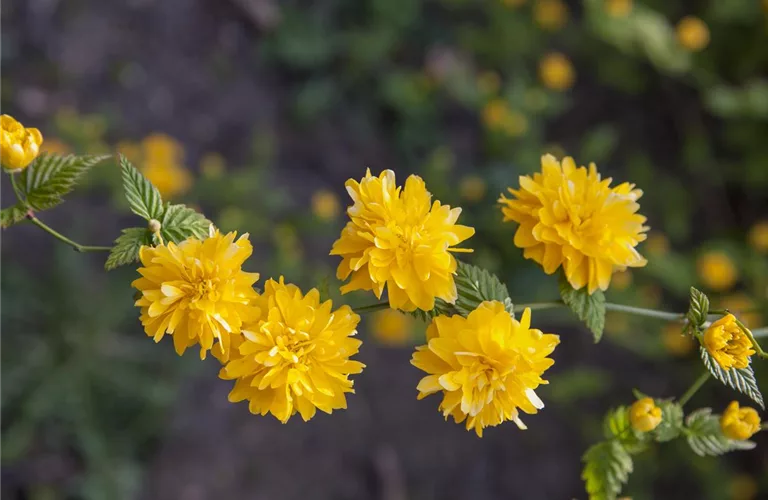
point(692, 33)
point(728, 344)
point(19, 145)
point(717, 271)
point(644, 415)
point(739, 423)
point(325, 205)
point(556, 72)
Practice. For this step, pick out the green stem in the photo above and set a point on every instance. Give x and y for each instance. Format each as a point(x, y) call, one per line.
point(371, 308)
point(693, 389)
point(16, 190)
point(639, 311)
point(759, 350)
point(61, 237)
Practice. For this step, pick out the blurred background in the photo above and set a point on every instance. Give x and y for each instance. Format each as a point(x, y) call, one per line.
point(257, 111)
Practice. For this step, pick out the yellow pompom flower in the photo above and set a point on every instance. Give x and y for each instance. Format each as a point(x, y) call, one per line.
point(739, 423)
point(391, 327)
point(717, 271)
point(325, 205)
point(571, 217)
point(550, 15)
point(196, 291)
point(295, 356)
point(728, 344)
point(18, 145)
point(162, 164)
point(395, 238)
point(644, 415)
point(487, 365)
point(556, 72)
point(693, 33)
point(758, 236)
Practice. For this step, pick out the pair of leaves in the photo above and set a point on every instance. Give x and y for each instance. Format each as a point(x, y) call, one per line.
point(589, 308)
point(177, 222)
point(43, 184)
point(698, 310)
point(607, 466)
point(705, 437)
point(740, 379)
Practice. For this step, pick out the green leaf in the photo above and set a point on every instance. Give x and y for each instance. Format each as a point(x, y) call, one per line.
point(12, 215)
point(741, 379)
point(180, 222)
point(143, 197)
point(671, 421)
point(698, 310)
point(616, 425)
point(588, 308)
point(127, 246)
point(442, 308)
point(52, 176)
point(475, 285)
point(705, 437)
point(607, 466)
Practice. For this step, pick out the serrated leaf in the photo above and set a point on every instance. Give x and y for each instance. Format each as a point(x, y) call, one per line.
point(52, 176)
point(698, 309)
point(607, 466)
point(441, 308)
point(12, 215)
point(671, 421)
point(741, 379)
point(705, 437)
point(616, 425)
point(143, 197)
point(588, 308)
point(180, 222)
point(127, 246)
point(475, 285)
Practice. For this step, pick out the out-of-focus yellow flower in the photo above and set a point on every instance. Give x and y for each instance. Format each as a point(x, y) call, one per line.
point(743, 308)
point(472, 188)
point(739, 423)
point(515, 124)
point(488, 82)
point(717, 271)
point(743, 487)
point(196, 291)
point(162, 148)
point(758, 236)
point(550, 15)
point(513, 3)
point(571, 217)
point(644, 415)
point(692, 33)
point(325, 205)
point(622, 280)
point(494, 113)
point(162, 164)
point(55, 146)
point(618, 8)
point(395, 238)
point(487, 365)
point(212, 165)
point(18, 145)
point(556, 72)
point(391, 327)
point(675, 341)
point(657, 244)
point(728, 344)
point(295, 356)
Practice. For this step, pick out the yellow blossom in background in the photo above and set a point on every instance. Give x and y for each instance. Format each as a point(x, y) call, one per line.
point(556, 72)
point(693, 33)
point(622, 280)
point(325, 205)
point(515, 124)
point(162, 148)
point(717, 271)
point(55, 146)
point(644, 415)
point(758, 236)
point(494, 113)
point(675, 342)
point(657, 244)
point(618, 8)
point(295, 356)
point(196, 291)
point(472, 188)
point(550, 15)
point(212, 165)
point(488, 82)
point(571, 217)
point(399, 238)
point(18, 145)
point(739, 423)
point(743, 487)
point(487, 365)
point(743, 308)
point(162, 165)
point(728, 344)
point(391, 327)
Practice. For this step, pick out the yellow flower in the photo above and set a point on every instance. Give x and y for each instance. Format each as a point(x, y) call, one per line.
point(494, 113)
point(295, 356)
point(391, 327)
point(487, 365)
point(644, 415)
point(717, 271)
point(196, 291)
point(728, 344)
point(570, 217)
point(657, 244)
point(692, 33)
point(162, 148)
point(472, 188)
point(19, 145)
point(556, 72)
point(743, 487)
point(618, 8)
point(325, 205)
point(758, 236)
point(550, 15)
point(675, 341)
point(395, 238)
point(162, 165)
point(515, 124)
point(739, 423)
point(212, 165)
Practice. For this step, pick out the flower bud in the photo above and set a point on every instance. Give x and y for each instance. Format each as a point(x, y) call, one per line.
point(739, 423)
point(644, 415)
point(154, 226)
point(18, 145)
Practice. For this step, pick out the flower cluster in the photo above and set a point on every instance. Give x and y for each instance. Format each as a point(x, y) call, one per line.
point(18, 145)
point(728, 344)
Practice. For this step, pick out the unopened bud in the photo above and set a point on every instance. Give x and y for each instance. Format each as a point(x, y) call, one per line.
point(154, 226)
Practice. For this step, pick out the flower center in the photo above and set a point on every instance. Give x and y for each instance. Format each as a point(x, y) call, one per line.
point(206, 288)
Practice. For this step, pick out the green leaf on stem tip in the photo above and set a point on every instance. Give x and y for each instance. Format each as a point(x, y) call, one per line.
point(607, 466)
point(740, 379)
point(142, 195)
point(616, 425)
point(589, 308)
point(671, 421)
point(51, 176)
point(127, 246)
point(698, 310)
point(705, 436)
point(180, 222)
point(475, 285)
